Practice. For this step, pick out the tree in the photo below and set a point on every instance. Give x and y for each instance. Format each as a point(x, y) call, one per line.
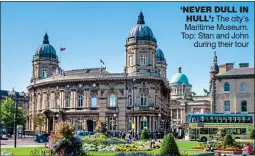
point(228, 140)
point(7, 115)
point(221, 134)
point(252, 134)
point(39, 120)
point(169, 146)
point(145, 134)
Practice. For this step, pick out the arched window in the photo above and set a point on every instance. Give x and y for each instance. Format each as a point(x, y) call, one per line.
point(143, 99)
point(112, 100)
point(79, 125)
point(130, 61)
point(143, 60)
point(226, 87)
point(244, 106)
point(44, 73)
point(243, 87)
point(80, 101)
point(94, 101)
point(68, 99)
point(113, 124)
point(130, 100)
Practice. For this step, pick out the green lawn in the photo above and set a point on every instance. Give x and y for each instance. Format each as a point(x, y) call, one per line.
point(22, 151)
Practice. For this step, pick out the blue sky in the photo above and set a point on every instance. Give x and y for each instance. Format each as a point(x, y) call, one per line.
point(94, 30)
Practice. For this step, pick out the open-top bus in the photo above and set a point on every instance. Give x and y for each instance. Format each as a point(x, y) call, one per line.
point(203, 127)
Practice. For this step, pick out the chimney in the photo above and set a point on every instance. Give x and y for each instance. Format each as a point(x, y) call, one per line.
point(243, 65)
point(226, 67)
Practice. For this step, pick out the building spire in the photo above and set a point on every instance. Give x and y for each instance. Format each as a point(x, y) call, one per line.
point(46, 39)
point(215, 67)
point(140, 18)
point(179, 69)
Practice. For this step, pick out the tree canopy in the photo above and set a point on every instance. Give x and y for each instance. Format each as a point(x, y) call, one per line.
point(7, 114)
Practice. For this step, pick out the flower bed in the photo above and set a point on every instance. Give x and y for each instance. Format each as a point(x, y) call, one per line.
point(219, 148)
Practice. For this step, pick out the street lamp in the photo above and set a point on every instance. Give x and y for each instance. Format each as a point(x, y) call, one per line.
point(133, 95)
point(13, 96)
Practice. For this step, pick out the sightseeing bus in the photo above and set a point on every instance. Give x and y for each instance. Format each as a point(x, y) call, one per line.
point(204, 127)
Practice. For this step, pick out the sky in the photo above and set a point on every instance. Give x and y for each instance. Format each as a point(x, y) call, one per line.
point(93, 30)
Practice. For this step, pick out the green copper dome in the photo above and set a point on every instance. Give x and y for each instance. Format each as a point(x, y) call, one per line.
point(180, 78)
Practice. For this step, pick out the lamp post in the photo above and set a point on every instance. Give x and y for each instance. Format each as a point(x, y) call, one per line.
point(115, 117)
point(13, 96)
point(133, 96)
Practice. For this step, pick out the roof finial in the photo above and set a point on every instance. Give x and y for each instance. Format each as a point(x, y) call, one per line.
point(46, 39)
point(180, 69)
point(140, 18)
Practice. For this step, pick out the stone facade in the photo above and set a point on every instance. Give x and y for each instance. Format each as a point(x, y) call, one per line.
point(137, 98)
point(235, 89)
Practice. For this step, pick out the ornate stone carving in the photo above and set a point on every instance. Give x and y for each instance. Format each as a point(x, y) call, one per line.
point(144, 90)
point(122, 91)
point(93, 93)
point(102, 92)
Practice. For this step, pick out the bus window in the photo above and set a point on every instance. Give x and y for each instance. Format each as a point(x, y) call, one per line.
point(203, 130)
point(243, 131)
point(211, 119)
point(224, 119)
point(194, 120)
point(220, 119)
point(248, 120)
point(229, 119)
point(243, 120)
point(206, 119)
point(234, 131)
point(238, 120)
point(202, 119)
point(216, 119)
point(229, 130)
point(234, 119)
point(238, 131)
point(213, 131)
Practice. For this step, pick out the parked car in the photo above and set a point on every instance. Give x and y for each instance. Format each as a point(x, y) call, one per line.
point(41, 137)
point(81, 134)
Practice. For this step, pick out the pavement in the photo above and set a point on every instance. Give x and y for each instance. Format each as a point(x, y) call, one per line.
point(21, 142)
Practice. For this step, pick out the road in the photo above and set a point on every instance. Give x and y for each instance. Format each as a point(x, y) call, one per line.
point(27, 142)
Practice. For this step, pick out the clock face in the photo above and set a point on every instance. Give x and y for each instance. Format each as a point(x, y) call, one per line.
point(80, 85)
point(67, 86)
point(94, 85)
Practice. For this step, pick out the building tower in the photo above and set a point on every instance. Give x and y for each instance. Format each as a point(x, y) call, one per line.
point(140, 49)
point(161, 64)
point(45, 60)
point(214, 71)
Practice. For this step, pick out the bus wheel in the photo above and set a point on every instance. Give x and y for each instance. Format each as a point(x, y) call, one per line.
point(203, 139)
point(237, 138)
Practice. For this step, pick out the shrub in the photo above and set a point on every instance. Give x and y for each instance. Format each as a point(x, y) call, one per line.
point(145, 134)
point(101, 127)
point(65, 129)
point(252, 134)
point(169, 146)
point(228, 140)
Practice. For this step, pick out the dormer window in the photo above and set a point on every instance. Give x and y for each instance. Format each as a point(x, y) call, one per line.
point(143, 60)
point(44, 73)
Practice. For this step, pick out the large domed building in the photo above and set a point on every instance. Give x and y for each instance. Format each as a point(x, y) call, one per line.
point(184, 101)
point(136, 98)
